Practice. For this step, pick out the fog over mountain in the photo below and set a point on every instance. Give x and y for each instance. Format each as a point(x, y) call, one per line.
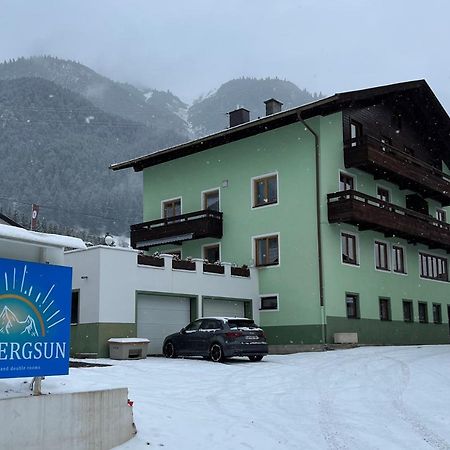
point(62, 124)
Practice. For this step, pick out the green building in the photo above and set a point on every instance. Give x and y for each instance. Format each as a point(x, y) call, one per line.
point(340, 203)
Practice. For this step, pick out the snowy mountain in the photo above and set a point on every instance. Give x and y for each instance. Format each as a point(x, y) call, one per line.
point(9, 324)
point(62, 124)
point(209, 114)
point(157, 111)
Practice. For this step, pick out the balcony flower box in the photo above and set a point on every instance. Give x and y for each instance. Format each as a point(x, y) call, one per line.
point(148, 260)
point(213, 268)
point(182, 264)
point(240, 271)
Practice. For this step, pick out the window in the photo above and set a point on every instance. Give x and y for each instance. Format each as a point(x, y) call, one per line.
point(211, 324)
point(408, 313)
point(385, 313)
point(193, 326)
point(355, 132)
point(437, 313)
point(423, 313)
point(74, 316)
point(266, 250)
point(381, 256)
point(265, 191)
point(171, 208)
point(433, 267)
point(398, 259)
point(441, 215)
point(348, 243)
point(211, 200)
point(383, 194)
point(351, 302)
point(269, 302)
point(211, 253)
point(346, 182)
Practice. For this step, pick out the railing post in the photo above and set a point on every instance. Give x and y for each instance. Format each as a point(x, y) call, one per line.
point(227, 269)
point(167, 261)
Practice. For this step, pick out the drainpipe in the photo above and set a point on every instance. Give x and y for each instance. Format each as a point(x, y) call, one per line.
point(319, 232)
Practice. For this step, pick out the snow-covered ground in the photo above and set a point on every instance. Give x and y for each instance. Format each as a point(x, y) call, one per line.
point(363, 398)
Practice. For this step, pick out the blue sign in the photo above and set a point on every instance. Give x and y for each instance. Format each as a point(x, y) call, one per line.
point(35, 307)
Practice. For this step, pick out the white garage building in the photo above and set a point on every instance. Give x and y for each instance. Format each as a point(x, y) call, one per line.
point(118, 293)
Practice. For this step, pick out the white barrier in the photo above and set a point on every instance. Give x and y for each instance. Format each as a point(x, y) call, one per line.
point(78, 421)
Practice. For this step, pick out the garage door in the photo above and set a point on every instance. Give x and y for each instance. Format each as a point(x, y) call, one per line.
point(159, 316)
point(223, 308)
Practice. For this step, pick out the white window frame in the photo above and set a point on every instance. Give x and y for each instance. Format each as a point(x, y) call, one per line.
point(269, 310)
point(345, 172)
point(254, 250)
point(211, 245)
point(202, 197)
point(420, 268)
point(405, 260)
point(388, 256)
point(171, 200)
point(358, 260)
point(252, 190)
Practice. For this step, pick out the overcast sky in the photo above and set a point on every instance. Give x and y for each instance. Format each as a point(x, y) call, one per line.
point(191, 47)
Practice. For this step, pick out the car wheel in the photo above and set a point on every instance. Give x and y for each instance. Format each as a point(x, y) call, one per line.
point(169, 350)
point(255, 358)
point(216, 353)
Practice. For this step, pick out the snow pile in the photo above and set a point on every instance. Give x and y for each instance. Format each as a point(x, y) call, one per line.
point(364, 398)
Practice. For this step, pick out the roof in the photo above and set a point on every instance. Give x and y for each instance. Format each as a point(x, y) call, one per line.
point(9, 221)
point(421, 94)
point(40, 239)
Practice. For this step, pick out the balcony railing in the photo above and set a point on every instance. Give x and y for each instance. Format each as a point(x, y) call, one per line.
point(370, 213)
point(390, 163)
point(176, 229)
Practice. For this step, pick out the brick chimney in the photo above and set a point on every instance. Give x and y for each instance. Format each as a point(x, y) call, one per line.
point(238, 116)
point(272, 106)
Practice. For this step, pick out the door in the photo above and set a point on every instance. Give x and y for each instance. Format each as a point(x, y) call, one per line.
point(158, 316)
point(223, 308)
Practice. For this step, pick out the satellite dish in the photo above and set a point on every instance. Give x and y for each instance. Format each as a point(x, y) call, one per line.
point(109, 240)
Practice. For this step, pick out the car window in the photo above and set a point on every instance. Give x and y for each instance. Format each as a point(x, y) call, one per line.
point(193, 326)
point(241, 323)
point(210, 324)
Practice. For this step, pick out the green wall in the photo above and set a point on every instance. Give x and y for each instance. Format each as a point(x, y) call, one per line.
point(290, 151)
point(93, 337)
point(365, 280)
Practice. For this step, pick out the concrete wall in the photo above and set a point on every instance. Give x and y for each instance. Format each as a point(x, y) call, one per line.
point(108, 294)
point(84, 420)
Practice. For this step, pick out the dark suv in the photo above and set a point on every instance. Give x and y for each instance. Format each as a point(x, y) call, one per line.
point(217, 338)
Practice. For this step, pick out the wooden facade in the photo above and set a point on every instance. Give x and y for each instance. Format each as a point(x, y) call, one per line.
point(367, 212)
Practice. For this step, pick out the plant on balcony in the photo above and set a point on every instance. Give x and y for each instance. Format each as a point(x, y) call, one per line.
point(150, 260)
point(182, 264)
point(215, 267)
point(242, 271)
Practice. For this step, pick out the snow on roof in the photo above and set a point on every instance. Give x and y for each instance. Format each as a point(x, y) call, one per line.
point(42, 239)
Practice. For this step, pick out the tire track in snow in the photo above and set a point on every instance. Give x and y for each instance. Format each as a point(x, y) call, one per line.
point(412, 419)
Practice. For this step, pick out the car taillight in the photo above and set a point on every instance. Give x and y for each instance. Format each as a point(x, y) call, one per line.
point(262, 335)
point(233, 334)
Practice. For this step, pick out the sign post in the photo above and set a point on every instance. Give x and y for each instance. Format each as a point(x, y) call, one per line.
point(35, 307)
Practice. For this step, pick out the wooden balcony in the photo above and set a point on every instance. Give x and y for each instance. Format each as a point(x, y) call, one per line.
point(370, 213)
point(392, 164)
point(176, 229)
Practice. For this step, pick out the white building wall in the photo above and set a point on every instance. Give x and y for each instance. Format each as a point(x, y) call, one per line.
point(85, 278)
point(114, 278)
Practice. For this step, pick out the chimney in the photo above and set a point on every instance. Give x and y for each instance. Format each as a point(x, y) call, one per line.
point(238, 116)
point(272, 106)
